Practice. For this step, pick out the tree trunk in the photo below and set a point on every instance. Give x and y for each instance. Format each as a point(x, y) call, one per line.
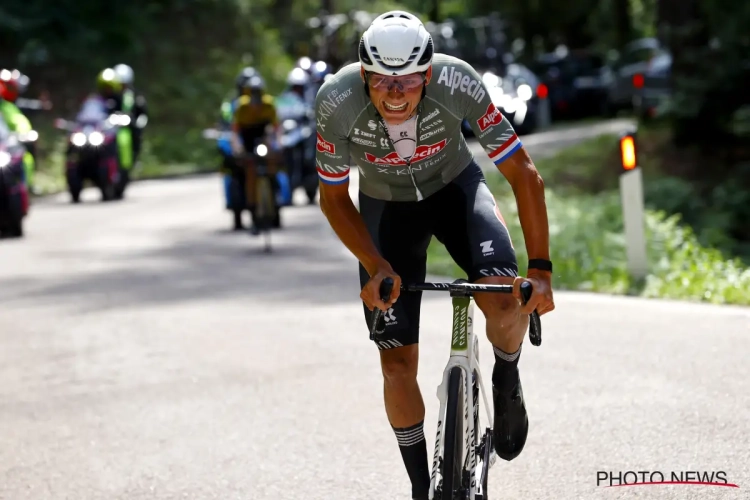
point(623, 22)
point(686, 35)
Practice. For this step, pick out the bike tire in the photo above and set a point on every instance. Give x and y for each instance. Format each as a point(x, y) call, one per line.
point(266, 205)
point(453, 451)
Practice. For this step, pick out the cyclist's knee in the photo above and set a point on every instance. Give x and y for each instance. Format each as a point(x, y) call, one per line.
point(505, 323)
point(400, 364)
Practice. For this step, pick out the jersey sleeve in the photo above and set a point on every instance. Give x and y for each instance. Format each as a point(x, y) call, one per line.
point(15, 118)
point(332, 148)
point(492, 129)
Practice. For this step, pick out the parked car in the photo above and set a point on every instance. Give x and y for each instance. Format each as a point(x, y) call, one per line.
point(519, 95)
point(653, 98)
point(575, 81)
point(625, 74)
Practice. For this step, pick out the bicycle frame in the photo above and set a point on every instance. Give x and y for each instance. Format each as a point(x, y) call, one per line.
point(464, 354)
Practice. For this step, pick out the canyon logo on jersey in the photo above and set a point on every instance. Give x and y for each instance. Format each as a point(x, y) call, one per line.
point(490, 118)
point(325, 146)
point(421, 153)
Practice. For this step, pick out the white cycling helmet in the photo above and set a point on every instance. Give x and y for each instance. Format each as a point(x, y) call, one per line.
point(396, 43)
point(297, 76)
point(124, 74)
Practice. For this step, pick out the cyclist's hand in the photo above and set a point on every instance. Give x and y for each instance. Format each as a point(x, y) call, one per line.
point(371, 292)
point(541, 296)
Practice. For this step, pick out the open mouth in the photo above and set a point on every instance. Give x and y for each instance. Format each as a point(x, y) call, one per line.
point(391, 107)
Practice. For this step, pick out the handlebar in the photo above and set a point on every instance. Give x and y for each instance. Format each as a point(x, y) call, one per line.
point(459, 288)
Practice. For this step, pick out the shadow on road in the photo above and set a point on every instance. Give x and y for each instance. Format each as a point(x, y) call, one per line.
point(306, 265)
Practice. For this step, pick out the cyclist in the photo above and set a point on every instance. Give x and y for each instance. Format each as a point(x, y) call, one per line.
point(253, 116)
point(397, 113)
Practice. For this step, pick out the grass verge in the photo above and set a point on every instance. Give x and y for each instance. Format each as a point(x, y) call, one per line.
point(587, 240)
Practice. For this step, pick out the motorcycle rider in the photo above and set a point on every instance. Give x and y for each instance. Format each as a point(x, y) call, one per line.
point(16, 121)
point(297, 103)
point(298, 82)
point(109, 91)
point(134, 105)
point(253, 116)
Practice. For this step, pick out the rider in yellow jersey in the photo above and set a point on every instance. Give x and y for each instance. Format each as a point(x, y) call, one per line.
point(255, 120)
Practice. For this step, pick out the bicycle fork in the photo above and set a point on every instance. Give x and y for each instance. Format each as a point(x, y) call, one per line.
point(463, 354)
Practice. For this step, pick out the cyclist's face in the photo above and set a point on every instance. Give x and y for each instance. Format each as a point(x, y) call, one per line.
point(396, 97)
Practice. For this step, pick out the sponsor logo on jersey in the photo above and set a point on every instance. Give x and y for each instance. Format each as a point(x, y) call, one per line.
point(456, 80)
point(372, 125)
point(490, 118)
point(431, 115)
point(421, 153)
point(325, 146)
point(362, 132)
point(328, 104)
point(384, 143)
point(431, 133)
point(364, 142)
point(432, 125)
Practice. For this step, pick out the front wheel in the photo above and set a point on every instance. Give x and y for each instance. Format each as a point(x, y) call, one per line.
point(453, 451)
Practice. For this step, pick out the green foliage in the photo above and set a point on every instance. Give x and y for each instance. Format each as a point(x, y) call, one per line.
point(587, 246)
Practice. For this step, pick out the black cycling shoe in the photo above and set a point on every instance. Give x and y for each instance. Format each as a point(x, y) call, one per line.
point(511, 421)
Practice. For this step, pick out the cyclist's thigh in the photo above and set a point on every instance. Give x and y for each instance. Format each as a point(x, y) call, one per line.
point(401, 235)
point(472, 229)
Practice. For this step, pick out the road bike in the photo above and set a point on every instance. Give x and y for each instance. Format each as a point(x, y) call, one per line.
point(460, 451)
point(266, 217)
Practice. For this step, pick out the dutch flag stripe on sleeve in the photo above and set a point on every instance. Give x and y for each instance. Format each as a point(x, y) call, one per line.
point(334, 177)
point(505, 150)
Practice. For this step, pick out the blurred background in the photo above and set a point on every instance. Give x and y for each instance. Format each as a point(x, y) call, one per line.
point(680, 68)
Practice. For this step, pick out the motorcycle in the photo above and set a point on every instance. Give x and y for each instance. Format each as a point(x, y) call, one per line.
point(14, 193)
point(234, 180)
point(93, 154)
point(298, 143)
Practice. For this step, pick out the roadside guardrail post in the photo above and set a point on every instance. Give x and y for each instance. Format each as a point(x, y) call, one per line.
point(631, 194)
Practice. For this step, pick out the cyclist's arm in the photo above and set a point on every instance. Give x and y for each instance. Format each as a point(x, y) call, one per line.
point(332, 153)
point(234, 138)
point(502, 144)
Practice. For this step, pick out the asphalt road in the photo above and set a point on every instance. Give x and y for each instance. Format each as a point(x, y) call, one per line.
point(148, 353)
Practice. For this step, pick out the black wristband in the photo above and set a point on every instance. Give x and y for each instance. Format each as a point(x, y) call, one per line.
point(541, 264)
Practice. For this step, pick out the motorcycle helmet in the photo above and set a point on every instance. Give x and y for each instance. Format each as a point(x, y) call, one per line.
point(124, 74)
point(9, 85)
point(297, 78)
point(107, 82)
point(319, 71)
point(242, 78)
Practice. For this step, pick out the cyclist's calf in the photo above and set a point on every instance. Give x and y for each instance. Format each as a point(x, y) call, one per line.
point(403, 400)
point(506, 326)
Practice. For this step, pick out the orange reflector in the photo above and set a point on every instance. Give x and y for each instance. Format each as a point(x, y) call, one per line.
point(627, 148)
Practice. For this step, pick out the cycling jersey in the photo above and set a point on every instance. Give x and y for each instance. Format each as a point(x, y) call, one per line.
point(16, 120)
point(348, 125)
point(250, 115)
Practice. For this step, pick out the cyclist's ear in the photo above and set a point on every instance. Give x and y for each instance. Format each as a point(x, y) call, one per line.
point(428, 76)
point(362, 74)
